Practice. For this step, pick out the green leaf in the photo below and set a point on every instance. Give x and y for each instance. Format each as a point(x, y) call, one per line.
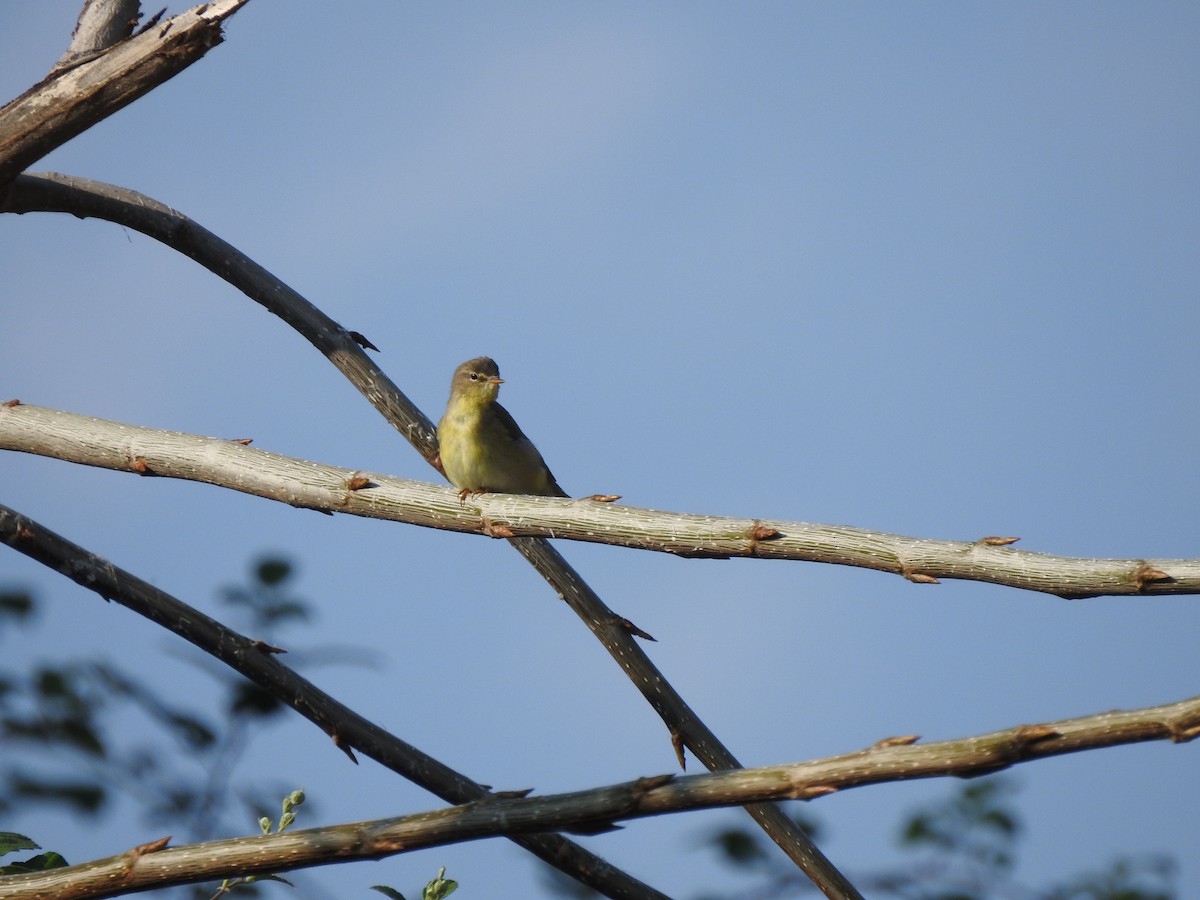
point(39, 863)
point(81, 796)
point(1000, 821)
point(387, 891)
point(919, 830)
point(193, 732)
point(271, 572)
point(80, 734)
point(15, 605)
point(248, 699)
point(739, 846)
point(10, 842)
point(439, 887)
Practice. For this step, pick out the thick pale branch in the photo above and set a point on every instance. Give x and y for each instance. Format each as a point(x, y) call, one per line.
point(73, 98)
point(600, 808)
point(301, 483)
point(348, 730)
point(96, 442)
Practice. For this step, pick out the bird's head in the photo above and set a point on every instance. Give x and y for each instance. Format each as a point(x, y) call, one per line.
point(477, 380)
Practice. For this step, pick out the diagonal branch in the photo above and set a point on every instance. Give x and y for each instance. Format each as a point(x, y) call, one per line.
point(600, 808)
point(687, 729)
point(343, 348)
point(253, 660)
point(112, 445)
point(85, 198)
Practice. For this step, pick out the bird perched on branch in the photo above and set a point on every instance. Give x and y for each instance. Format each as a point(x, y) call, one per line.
point(482, 448)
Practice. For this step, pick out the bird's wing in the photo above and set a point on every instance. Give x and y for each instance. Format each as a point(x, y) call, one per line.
point(513, 430)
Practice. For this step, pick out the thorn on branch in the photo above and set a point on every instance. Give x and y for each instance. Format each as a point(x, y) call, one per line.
point(151, 846)
point(11, 403)
point(648, 783)
point(759, 532)
point(993, 541)
point(635, 631)
point(139, 465)
point(602, 498)
point(362, 341)
point(904, 740)
point(1145, 575)
point(132, 856)
point(518, 794)
point(917, 577)
point(358, 482)
point(496, 530)
point(263, 647)
point(601, 828)
point(340, 743)
point(1026, 735)
point(677, 743)
point(813, 791)
point(245, 442)
point(1183, 735)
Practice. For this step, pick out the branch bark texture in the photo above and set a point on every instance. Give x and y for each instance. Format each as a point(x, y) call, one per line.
point(131, 448)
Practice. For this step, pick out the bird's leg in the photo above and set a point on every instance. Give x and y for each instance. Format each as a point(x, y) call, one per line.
point(469, 492)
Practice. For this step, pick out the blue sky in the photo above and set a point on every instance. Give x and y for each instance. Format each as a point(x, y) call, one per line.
point(922, 268)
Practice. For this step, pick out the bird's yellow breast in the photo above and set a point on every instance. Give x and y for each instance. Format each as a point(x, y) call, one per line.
point(464, 458)
point(480, 453)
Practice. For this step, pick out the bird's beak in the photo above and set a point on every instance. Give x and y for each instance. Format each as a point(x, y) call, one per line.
point(495, 379)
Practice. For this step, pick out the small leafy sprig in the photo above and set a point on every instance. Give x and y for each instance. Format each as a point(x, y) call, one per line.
point(286, 818)
point(437, 889)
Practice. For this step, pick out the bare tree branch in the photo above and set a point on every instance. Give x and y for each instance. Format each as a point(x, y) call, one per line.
point(599, 808)
point(344, 349)
point(85, 198)
point(72, 99)
point(348, 730)
point(101, 24)
point(147, 451)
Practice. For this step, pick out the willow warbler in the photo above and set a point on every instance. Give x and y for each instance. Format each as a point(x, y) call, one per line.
point(482, 448)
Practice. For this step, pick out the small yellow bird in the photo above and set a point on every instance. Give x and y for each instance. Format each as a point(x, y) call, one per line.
point(482, 447)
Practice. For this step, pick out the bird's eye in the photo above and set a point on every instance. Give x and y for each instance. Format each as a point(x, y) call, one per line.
point(474, 376)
